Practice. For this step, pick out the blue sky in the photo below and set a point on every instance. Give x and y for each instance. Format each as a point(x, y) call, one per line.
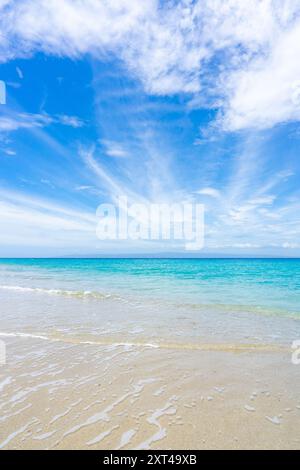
point(178, 101)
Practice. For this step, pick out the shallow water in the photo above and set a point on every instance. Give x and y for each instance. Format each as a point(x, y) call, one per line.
point(266, 284)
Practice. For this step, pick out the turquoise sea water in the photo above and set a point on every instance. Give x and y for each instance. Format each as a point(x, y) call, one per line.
point(266, 285)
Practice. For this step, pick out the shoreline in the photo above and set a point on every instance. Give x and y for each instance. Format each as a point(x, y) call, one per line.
point(85, 396)
point(107, 374)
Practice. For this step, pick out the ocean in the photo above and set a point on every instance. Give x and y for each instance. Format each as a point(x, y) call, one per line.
point(149, 353)
point(264, 285)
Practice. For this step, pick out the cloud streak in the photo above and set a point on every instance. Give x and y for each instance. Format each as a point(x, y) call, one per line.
point(43, 223)
point(16, 121)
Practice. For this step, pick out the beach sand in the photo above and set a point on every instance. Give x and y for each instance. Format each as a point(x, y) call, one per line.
point(107, 374)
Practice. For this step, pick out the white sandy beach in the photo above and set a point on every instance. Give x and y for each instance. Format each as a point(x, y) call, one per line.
point(81, 388)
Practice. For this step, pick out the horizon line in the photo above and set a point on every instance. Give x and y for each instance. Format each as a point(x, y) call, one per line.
point(134, 257)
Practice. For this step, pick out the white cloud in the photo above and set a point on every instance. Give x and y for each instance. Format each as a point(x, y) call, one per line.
point(212, 192)
point(268, 91)
point(257, 205)
point(291, 246)
point(72, 121)
point(83, 187)
point(242, 55)
point(43, 222)
point(17, 121)
point(19, 72)
point(114, 149)
point(268, 200)
point(9, 152)
point(23, 121)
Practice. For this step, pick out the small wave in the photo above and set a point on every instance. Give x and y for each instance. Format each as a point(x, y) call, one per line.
point(23, 335)
point(70, 293)
point(223, 347)
point(134, 300)
point(73, 340)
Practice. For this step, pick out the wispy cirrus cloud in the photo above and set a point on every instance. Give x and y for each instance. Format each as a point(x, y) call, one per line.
point(212, 192)
point(23, 121)
point(72, 121)
point(43, 222)
point(114, 149)
point(13, 122)
point(19, 73)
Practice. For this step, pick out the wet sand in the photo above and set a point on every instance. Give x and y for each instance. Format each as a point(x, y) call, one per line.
point(110, 375)
point(57, 395)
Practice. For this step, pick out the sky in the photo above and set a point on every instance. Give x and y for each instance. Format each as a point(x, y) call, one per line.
point(160, 101)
